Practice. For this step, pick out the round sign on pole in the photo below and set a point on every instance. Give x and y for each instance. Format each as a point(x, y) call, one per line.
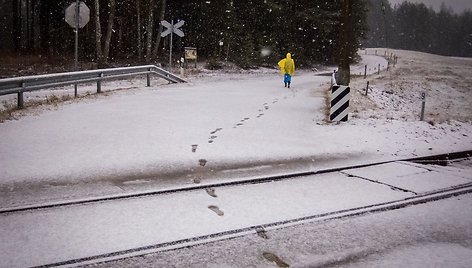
point(84, 14)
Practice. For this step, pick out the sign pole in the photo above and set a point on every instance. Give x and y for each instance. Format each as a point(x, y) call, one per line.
point(76, 62)
point(423, 103)
point(171, 34)
point(77, 18)
point(171, 29)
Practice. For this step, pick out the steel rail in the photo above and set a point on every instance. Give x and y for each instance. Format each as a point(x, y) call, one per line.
point(9, 210)
point(192, 241)
point(346, 213)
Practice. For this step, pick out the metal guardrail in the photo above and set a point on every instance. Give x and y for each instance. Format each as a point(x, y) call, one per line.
point(19, 85)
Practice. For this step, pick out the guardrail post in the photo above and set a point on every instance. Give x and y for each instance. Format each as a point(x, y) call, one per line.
point(20, 96)
point(367, 88)
point(365, 72)
point(99, 83)
point(148, 77)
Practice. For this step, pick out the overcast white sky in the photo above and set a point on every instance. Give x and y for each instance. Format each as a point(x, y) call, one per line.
point(457, 5)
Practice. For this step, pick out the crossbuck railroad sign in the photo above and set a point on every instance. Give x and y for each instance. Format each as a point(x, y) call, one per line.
point(171, 27)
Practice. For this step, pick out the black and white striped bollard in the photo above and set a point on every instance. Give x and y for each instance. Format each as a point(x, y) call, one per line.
point(339, 103)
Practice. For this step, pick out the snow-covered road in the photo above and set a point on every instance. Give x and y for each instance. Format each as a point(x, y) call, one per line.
point(146, 134)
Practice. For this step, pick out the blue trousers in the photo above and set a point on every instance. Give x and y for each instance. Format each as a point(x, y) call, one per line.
point(287, 78)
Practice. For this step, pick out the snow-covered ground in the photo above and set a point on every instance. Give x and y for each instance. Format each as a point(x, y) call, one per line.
point(436, 234)
point(241, 125)
point(237, 120)
point(113, 229)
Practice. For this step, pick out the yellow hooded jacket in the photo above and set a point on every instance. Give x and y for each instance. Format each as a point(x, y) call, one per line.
point(287, 65)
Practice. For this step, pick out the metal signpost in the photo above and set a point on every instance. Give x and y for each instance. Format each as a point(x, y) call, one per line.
point(423, 104)
point(77, 15)
point(171, 29)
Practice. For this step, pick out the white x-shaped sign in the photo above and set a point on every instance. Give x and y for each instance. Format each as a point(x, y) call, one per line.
point(172, 28)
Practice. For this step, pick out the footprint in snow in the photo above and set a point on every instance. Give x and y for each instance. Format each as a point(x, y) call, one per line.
point(216, 130)
point(211, 192)
point(202, 162)
point(216, 210)
point(274, 258)
point(261, 232)
point(212, 138)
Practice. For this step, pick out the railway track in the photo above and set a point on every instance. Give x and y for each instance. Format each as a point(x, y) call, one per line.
point(443, 193)
point(434, 196)
point(440, 159)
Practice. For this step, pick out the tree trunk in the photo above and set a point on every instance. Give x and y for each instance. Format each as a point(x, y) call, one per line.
point(159, 31)
point(138, 11)
point(344, 74)
point(98, 33)
point(111, 20)
point(149, 29)
point(37, 25)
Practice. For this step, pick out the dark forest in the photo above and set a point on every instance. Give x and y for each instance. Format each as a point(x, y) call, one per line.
point(249, 33)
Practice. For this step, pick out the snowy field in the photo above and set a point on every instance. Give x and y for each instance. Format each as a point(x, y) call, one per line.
point(237, 120)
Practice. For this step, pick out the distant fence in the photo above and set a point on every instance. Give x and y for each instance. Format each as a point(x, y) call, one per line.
point(19, 85)
point(340, 95)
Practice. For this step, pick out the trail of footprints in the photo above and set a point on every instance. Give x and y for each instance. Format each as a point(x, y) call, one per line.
point(213, 134)
point(271, 257)
point(260, 231)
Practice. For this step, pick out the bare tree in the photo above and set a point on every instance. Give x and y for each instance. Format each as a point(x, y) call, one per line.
point(149, 30)
point(103, 53)
point(159, 31)
point(138, 24)
point(37, 25)
point(111, 20)
point(98, 33)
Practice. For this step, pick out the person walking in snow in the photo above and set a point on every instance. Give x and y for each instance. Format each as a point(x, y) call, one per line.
point(287, 67)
